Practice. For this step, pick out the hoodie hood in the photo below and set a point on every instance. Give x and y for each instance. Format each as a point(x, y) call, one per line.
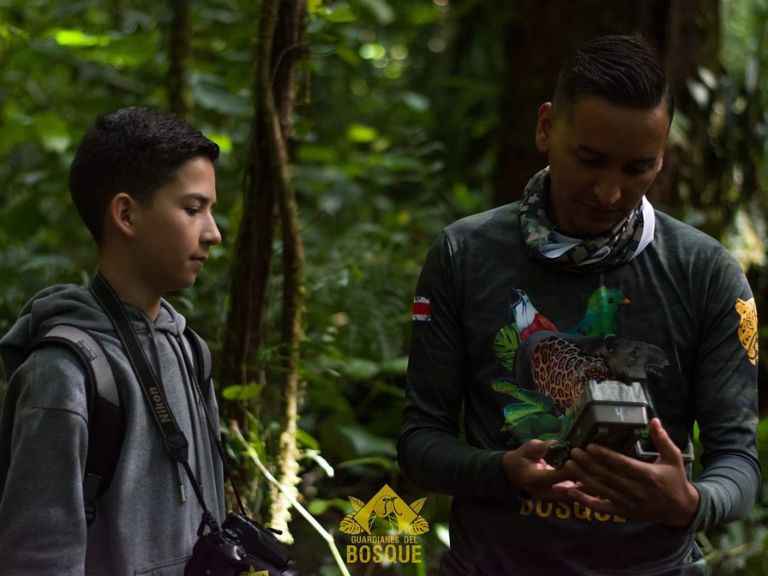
point(75, 306)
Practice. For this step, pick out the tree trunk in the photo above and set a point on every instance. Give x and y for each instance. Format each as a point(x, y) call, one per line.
point(269, 194)
point(118, 14)
point(278, 101)
point(693, 175)
point(178, 53)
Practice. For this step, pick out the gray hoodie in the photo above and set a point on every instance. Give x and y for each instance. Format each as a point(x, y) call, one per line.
point(143, 525)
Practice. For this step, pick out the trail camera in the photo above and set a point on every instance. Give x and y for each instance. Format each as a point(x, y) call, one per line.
point(612, 414)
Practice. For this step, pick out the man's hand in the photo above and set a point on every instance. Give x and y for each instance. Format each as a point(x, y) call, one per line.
point(613, 483)
point(527, 471)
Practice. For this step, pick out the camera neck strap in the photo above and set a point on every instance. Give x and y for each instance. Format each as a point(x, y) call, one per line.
point(214, 437)
point(151, 386)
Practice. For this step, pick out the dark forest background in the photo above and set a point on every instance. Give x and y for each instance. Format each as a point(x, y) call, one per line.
point(351, 132)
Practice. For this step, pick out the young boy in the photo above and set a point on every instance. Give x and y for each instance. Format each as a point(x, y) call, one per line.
point(143, 182)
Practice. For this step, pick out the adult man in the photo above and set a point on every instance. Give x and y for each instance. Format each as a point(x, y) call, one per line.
point(515, 305)
point(144, 184)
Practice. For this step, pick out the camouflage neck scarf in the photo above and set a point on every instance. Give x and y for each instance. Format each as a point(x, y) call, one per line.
point(619, 245)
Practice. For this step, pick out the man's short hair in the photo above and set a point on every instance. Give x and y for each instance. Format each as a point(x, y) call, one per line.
point(132, 150)
point(624, 70)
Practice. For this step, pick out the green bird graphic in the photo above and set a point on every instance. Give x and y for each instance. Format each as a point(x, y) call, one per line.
point(600, 317)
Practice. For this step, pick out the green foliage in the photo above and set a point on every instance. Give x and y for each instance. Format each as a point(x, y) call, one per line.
point(505, 346)
point(395, 118)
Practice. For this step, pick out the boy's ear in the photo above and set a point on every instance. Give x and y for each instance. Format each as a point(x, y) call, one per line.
point(121, 214)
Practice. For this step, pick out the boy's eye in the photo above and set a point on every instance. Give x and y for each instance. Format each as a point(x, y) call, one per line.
point(192, 210)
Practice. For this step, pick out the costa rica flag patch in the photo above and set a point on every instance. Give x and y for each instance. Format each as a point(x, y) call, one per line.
point(421, 311)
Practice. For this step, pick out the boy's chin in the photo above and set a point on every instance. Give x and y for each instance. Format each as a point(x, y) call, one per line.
point(181, 284)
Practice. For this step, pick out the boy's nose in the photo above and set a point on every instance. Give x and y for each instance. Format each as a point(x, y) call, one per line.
point(211, 234)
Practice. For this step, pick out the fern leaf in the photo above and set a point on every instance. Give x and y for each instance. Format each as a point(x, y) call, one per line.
point(505, 346)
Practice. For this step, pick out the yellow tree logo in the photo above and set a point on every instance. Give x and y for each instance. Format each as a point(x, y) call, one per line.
point(388, 505)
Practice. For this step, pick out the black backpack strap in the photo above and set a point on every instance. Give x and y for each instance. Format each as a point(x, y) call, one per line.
point(201, 356)
point(105, 417)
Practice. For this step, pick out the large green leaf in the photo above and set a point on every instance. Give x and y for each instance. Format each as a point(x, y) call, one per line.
point(505, 346)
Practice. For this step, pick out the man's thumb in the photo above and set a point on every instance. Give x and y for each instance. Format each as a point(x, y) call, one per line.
point(668, 451)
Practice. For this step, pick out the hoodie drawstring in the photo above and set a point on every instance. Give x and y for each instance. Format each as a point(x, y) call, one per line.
point(180, 478)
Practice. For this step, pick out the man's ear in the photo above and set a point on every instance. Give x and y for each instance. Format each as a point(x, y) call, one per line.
point(544, 127)
point(121, 214)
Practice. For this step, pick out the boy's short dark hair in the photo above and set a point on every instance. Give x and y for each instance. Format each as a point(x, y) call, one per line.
point(132, 150)
point(625, 70)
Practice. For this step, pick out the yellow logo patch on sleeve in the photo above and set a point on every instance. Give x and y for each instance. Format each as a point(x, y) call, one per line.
point(748, 327)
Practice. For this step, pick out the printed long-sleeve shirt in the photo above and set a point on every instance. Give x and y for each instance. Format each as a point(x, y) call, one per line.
point(475, 351)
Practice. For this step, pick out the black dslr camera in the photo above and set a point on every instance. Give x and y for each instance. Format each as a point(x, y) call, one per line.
point(241, 546)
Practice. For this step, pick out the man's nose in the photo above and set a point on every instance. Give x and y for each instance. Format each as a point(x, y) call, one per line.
point(608, 190)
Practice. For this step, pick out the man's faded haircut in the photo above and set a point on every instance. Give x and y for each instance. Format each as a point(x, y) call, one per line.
point(624, 70)
point(133, 150)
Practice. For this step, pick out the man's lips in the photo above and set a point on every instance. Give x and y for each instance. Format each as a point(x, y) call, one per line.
point(602, 213)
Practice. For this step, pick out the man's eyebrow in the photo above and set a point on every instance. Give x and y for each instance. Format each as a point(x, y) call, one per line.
point(589, 150)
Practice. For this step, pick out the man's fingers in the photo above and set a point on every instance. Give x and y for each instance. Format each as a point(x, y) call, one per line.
point(597, 487)
point(534, 449)
point(600, 461)
point(606, 474)
point(597, 504)
point(668, 451)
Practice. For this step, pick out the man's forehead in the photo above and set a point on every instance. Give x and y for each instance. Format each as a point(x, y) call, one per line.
point(590, 105)
point(608, 128)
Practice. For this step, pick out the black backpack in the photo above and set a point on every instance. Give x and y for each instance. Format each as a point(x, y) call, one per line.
point(106, 419)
